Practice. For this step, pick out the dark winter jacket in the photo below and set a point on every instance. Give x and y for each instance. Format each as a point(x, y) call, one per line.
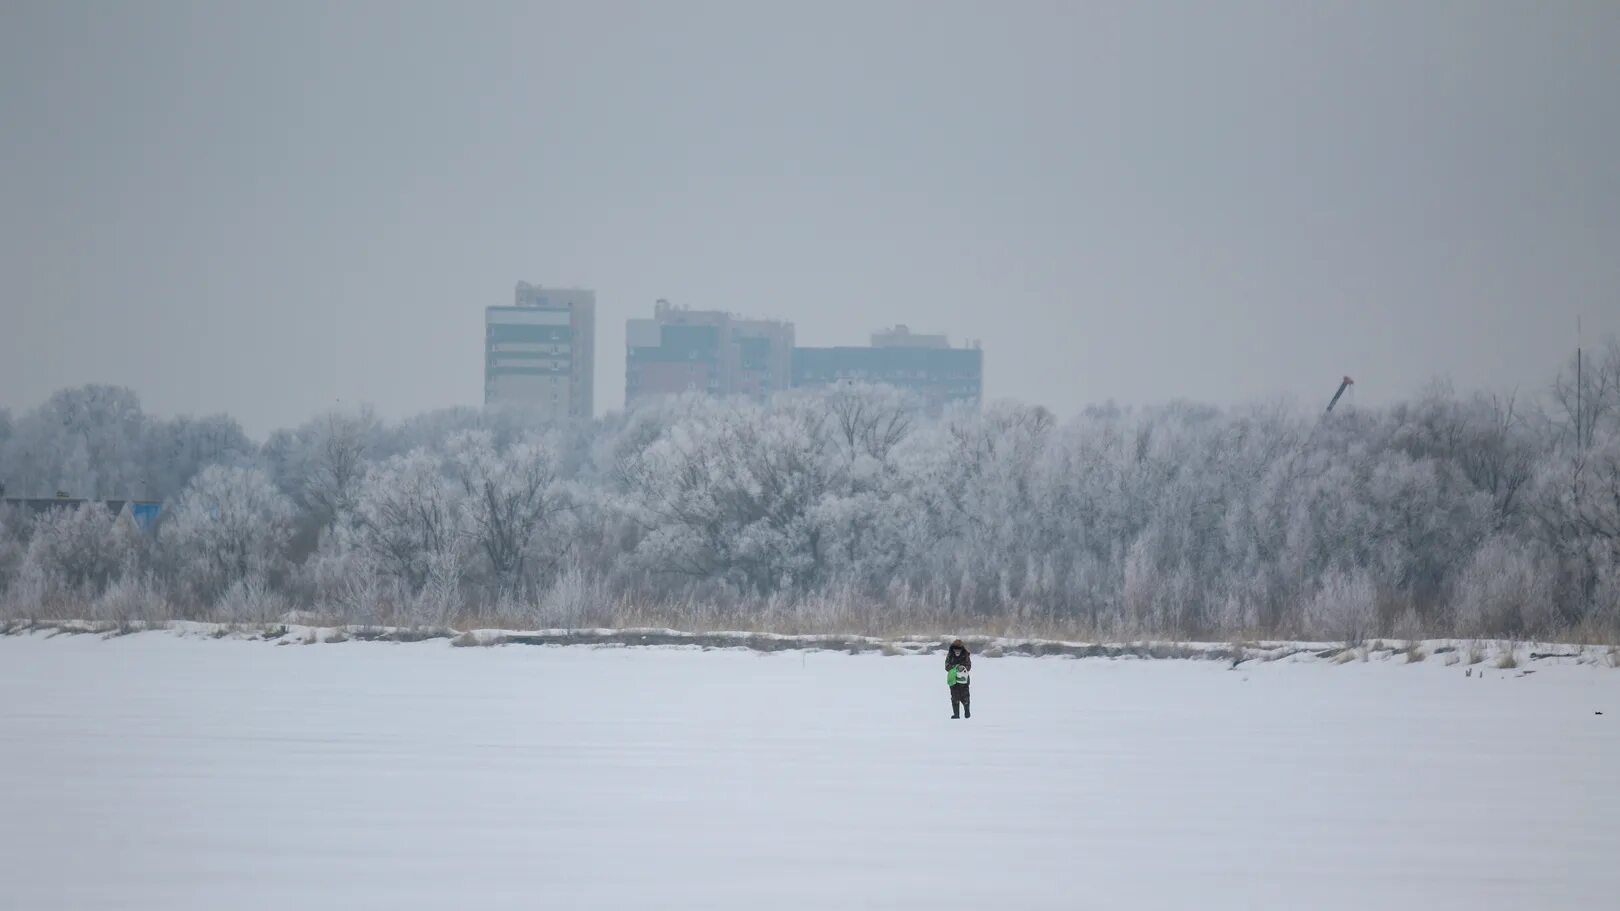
point(957, 656)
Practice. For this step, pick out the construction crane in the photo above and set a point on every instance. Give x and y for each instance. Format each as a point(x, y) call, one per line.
point(1348, 382)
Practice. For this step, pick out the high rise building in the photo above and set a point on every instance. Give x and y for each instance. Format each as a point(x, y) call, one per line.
point(540, 352)
point(710, 351)
point(926, 365)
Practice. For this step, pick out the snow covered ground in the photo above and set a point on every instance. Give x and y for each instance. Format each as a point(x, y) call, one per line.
point(151, 771)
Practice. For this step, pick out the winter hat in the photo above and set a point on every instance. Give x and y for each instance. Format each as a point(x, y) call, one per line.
point(958, 644)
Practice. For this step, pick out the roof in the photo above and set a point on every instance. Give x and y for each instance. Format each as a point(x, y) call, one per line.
point(39, 505)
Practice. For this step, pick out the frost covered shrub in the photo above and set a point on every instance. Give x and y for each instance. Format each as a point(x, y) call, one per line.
point(250, 600)
point(27, 595)
point(1504, 590)
point(575, 595)
point(1605, 613)
point(1408, 625)
point(133, 599)
point(440, 597)
point(77, 551)
point(1345, 607)
point(345, 583)
point(14, 532)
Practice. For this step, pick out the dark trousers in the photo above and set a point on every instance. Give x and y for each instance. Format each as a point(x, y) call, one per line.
point(959, 699)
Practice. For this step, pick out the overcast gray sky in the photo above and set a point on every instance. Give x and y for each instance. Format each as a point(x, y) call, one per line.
point(268, 209)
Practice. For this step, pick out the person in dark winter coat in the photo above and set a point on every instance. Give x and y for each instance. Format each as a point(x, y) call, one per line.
point(957, 658)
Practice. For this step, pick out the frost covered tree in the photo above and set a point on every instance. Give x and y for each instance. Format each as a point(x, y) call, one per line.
point(410, 520)
point(728, 492)
point(512, 499)
point(1448, 513)
point(869, 421)
point(1588, 401)
point(176, 450)
point(86, 442)
point(322, 464)
point(229, 528)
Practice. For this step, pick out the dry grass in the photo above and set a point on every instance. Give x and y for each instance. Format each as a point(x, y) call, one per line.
point(122, 628)
point(1508, 658)
point(1592, 631)
point(893, 634)
point(830, 614)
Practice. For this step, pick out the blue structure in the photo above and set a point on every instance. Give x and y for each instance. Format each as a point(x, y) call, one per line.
point(144, 513)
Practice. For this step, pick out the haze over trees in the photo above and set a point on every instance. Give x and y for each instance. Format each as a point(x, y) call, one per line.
point(847, 509)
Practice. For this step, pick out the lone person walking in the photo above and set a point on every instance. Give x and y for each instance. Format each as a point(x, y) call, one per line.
point(957, 665)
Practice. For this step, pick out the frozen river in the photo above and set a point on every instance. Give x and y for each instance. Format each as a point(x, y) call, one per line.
point(156, 772)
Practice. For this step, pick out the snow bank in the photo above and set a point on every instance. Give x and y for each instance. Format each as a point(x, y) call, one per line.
point(1446, 651)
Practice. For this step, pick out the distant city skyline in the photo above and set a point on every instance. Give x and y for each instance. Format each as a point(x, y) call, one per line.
point(272, 210)
point(682, 349)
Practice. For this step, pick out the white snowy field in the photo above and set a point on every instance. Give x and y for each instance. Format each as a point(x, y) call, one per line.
point(151, 771)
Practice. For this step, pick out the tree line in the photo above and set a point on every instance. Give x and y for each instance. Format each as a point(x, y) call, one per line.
point(847, 509)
